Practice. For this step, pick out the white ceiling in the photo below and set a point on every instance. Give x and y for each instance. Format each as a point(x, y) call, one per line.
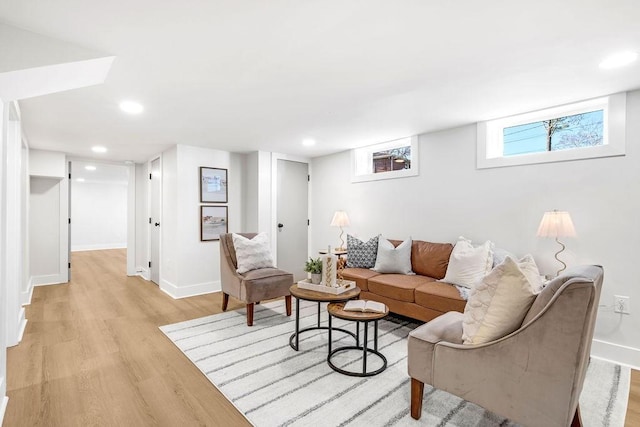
point(243, 75)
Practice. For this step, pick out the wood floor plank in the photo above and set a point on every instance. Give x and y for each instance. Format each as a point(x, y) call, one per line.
point(633, 407)
point(92, 354)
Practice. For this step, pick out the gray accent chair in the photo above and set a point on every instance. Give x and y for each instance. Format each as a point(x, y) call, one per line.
point(532, 376)
point(253, 286)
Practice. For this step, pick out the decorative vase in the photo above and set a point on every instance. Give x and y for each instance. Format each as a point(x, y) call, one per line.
point(315, 278)
point(328, 269)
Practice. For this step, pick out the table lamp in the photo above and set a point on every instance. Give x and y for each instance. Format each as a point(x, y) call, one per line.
point(340, 219)
point(557, 224)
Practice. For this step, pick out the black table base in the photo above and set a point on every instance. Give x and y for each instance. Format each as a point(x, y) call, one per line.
point(294, 339)
point(364, 348)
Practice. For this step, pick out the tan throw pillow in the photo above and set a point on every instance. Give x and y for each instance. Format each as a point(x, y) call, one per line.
point(499, 302)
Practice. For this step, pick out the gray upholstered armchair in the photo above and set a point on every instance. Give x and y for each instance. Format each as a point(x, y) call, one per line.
point(253, 286)
point(532, 376)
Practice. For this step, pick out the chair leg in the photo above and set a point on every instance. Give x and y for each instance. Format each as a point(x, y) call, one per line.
point(577, 420)
point(250, 314)
point(225, 301)
point(287, 304)
point(417, 389)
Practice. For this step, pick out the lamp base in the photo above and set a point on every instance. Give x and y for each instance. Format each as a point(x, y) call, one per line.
point(564, 265)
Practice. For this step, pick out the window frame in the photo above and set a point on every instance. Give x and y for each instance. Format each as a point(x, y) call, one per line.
point(490, 134)
point(362, 160)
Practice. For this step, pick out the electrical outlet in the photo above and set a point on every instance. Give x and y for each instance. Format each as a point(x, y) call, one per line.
point(621, 304)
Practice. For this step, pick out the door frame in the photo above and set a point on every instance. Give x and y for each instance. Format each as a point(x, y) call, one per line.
point(274, 200)
point(149, 196)
point(131, 208)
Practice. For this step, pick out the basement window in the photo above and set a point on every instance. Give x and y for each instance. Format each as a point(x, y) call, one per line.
point(589, 129)
point(393, 159)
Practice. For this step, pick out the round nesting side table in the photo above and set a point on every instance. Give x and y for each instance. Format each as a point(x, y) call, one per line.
point(336, 310)
point(319, 297)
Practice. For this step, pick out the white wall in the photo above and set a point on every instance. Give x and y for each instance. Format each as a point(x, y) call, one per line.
point(47, 164)
point(98, 215)
point(190, 266)
point(12, 233)
point(44, 227)
point(169, 243)
point(27, 285)
point(48, 220)
point(3, 280)
point(451, 197)
point(250, 191)
point(257, 192)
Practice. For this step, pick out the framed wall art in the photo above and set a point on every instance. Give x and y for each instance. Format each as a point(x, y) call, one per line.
point(213, 222)
point(213, 185)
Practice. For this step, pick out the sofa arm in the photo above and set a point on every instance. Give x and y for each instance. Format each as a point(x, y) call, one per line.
point(422, 341)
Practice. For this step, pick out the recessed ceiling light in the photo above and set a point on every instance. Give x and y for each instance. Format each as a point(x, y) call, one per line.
point(99, 149)
point(619, 59)
point(131, 107)
point(308, 142)
point(80, 179)
point(129, 162)
point(90, 168)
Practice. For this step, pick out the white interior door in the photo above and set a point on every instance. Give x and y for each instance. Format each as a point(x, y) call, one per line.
point(154, 223)
point(69, 225)
point(292, 216)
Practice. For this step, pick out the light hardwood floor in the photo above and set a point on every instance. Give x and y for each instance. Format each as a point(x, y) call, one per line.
point(92, 354)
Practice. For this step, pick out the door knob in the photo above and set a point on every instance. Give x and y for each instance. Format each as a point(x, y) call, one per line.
point(157, 224)
point(280, 225)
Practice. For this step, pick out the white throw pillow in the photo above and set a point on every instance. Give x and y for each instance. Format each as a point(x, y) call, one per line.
point(392, 259)
point(252, 254)
point(498, 304)
point(468, 264)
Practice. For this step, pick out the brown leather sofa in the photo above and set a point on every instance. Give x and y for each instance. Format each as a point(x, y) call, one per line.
point(421, 296)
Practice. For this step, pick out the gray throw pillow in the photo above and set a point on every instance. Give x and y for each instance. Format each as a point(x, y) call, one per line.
point(392, 259)
point(361, 254)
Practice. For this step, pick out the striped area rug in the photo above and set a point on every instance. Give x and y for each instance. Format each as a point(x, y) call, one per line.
point(273, 385)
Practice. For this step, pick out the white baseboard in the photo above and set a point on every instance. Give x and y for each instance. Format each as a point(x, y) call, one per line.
point(177, 292)
point(620, 354)
point(49, 279)
point(143, 272)
point(3, 408)
point(98, 247)
point(22, 323)
point(14, 336)
point(26, 296)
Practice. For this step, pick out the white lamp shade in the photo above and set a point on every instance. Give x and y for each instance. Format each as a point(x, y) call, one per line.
point(340, 219)
point(556, 224)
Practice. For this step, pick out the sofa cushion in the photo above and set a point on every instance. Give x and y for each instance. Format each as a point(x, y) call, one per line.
point(392, 258)
point(359, 275)
point(361, 254)
point(439, 296)
point(264, 283)
point(500, 302)
point(430, 259)
point(397, 286)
